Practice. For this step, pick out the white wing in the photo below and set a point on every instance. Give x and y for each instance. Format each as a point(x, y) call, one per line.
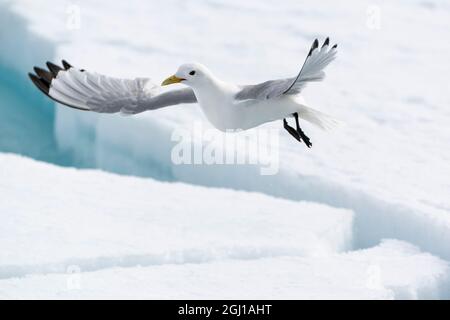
point(312, 70)
point(89, 91)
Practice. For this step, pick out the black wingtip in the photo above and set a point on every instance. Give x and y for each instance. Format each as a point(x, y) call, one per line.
point(53, 68)
point(327, 42)
point(32, 76)
point(66, 65)
point(44, 74)
point(44, 87)
point(335, 46)
point(314, 46)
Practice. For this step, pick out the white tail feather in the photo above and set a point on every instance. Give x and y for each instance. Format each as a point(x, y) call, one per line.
point(320, 119)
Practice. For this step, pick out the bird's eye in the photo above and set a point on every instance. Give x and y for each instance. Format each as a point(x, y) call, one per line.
point(192, 72)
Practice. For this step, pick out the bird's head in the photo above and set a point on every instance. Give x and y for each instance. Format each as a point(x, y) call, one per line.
point(191, 74)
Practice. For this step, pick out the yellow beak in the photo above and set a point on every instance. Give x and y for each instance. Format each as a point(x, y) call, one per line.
point(171, 80)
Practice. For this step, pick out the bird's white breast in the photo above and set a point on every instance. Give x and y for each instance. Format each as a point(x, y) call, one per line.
point(217, 105)
point(225, 113)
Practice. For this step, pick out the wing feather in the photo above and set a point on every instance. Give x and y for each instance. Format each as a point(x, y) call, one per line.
point(91, 91)
point(312, 70)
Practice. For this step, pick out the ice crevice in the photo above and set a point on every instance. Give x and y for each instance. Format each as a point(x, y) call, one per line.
point(187, 256)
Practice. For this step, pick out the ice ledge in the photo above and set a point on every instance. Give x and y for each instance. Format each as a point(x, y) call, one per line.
point(392, 270)
point(54, 217)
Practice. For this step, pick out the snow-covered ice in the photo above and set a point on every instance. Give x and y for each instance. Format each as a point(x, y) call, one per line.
point(389, 166)
point(392, 270)
point(54, 217)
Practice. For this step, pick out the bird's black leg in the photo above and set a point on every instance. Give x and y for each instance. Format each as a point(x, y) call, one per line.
point(291, 130)
point(300, 132)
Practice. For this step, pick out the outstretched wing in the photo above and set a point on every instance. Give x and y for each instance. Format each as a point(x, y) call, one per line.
point(312, 70)
point(89, 91)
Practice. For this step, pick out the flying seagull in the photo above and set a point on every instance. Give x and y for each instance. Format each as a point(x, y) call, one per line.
point(227, 106)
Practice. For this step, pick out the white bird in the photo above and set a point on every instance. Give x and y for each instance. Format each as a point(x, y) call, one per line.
point(227, 106)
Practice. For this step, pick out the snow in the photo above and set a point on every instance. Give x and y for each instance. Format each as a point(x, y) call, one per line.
point(393, 270)
point(64, 235)
point(71, 217)
point(389, 165)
